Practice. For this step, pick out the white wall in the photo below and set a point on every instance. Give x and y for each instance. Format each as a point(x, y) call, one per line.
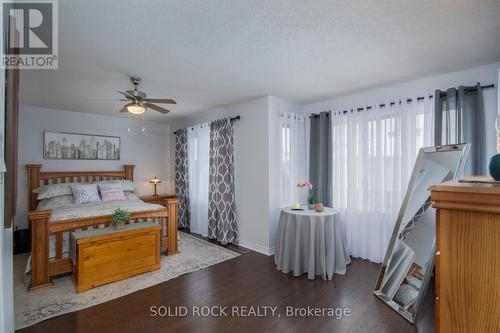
point(149, 151)
point(484, 74)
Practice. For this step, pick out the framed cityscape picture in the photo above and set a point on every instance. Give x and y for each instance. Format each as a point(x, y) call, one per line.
point(73, 146)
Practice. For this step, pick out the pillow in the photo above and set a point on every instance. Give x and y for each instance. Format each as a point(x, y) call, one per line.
point(85, 193)
point(54, 190)
point(126, 185)
point(56, 202)
point(111, 192)
point(130, 196)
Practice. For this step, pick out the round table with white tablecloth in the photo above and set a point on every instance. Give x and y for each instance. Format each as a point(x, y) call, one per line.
point(310, 242)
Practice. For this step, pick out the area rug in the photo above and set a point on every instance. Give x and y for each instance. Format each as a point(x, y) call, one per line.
point(31, 308)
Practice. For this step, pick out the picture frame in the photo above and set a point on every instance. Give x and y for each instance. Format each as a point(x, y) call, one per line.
point(78, 146)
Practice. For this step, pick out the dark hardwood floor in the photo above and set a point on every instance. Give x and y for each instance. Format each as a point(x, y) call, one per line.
point(249, 280)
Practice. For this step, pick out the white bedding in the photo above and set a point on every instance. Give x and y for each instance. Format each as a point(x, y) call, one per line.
point(66, 209)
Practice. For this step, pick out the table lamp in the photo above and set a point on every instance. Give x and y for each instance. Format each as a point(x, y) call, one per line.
point(155, 181)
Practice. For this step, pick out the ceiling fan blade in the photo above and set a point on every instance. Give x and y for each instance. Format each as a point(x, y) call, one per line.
point(124, 108)
point(108, 99)
point(156, 108)
point(160, 100)
point(126, 94)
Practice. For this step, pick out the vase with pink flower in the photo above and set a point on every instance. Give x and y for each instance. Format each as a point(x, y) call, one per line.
point(306, 185)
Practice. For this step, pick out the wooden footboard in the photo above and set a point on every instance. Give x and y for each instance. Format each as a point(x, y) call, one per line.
point(42, 267)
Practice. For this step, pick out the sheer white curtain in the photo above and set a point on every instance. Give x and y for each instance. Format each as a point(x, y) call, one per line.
point(198, 158)
point(374, 152)
point(293, 160)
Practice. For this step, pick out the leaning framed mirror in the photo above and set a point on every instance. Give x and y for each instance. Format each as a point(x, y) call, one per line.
point(409, 261)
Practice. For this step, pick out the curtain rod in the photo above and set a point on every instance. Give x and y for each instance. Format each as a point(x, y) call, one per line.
point(409, 100)
point(231, 118)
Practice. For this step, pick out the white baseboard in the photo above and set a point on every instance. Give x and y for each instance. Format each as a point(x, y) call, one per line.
point(256, 247)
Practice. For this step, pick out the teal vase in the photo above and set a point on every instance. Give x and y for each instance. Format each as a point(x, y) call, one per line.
point(494, 167)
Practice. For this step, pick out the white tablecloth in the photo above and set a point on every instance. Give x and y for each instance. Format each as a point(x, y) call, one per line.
point(312, 243)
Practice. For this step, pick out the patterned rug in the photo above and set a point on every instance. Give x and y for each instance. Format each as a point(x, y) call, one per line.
point(31, 308)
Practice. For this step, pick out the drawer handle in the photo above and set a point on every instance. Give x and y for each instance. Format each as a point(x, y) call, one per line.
point(438, 253)
point(437, 298)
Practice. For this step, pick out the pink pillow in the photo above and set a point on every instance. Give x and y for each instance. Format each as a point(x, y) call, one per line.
point(112, 194)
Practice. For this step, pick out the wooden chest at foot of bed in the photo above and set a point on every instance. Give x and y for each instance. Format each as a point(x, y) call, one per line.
point(104, 256)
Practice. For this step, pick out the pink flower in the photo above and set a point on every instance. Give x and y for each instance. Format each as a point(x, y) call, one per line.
point(304, 184)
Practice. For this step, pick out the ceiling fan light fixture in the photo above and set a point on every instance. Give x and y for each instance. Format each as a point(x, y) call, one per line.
point(136, 108)
point(138, 102)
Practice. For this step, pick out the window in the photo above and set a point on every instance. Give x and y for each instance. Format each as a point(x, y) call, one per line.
point(293, 158)
point(285, 143)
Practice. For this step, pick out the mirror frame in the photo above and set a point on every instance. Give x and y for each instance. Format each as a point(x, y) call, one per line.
point(411, 317)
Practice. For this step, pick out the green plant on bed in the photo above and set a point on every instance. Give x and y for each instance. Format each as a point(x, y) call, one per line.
point(119, 217)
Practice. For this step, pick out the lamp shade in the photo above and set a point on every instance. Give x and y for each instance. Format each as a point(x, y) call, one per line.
point(136, 108)
point(155, 181)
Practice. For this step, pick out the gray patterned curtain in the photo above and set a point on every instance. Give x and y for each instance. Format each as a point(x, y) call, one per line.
point(182, 177)
point(221, 202)
point(460, 118)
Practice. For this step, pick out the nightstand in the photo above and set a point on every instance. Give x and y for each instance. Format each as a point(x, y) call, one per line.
point(156, 199)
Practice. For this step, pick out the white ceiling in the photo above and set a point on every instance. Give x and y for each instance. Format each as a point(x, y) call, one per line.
point(209, 53)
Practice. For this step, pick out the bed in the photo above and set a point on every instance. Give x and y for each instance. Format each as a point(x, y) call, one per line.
point(52, 224)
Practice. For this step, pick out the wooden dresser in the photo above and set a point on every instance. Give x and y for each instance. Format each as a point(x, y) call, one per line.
point(467, 257)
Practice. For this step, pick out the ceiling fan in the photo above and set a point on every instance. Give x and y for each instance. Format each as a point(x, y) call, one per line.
point(137, 101)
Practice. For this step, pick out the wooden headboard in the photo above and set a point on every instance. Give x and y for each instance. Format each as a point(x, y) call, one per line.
point(38, 178)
